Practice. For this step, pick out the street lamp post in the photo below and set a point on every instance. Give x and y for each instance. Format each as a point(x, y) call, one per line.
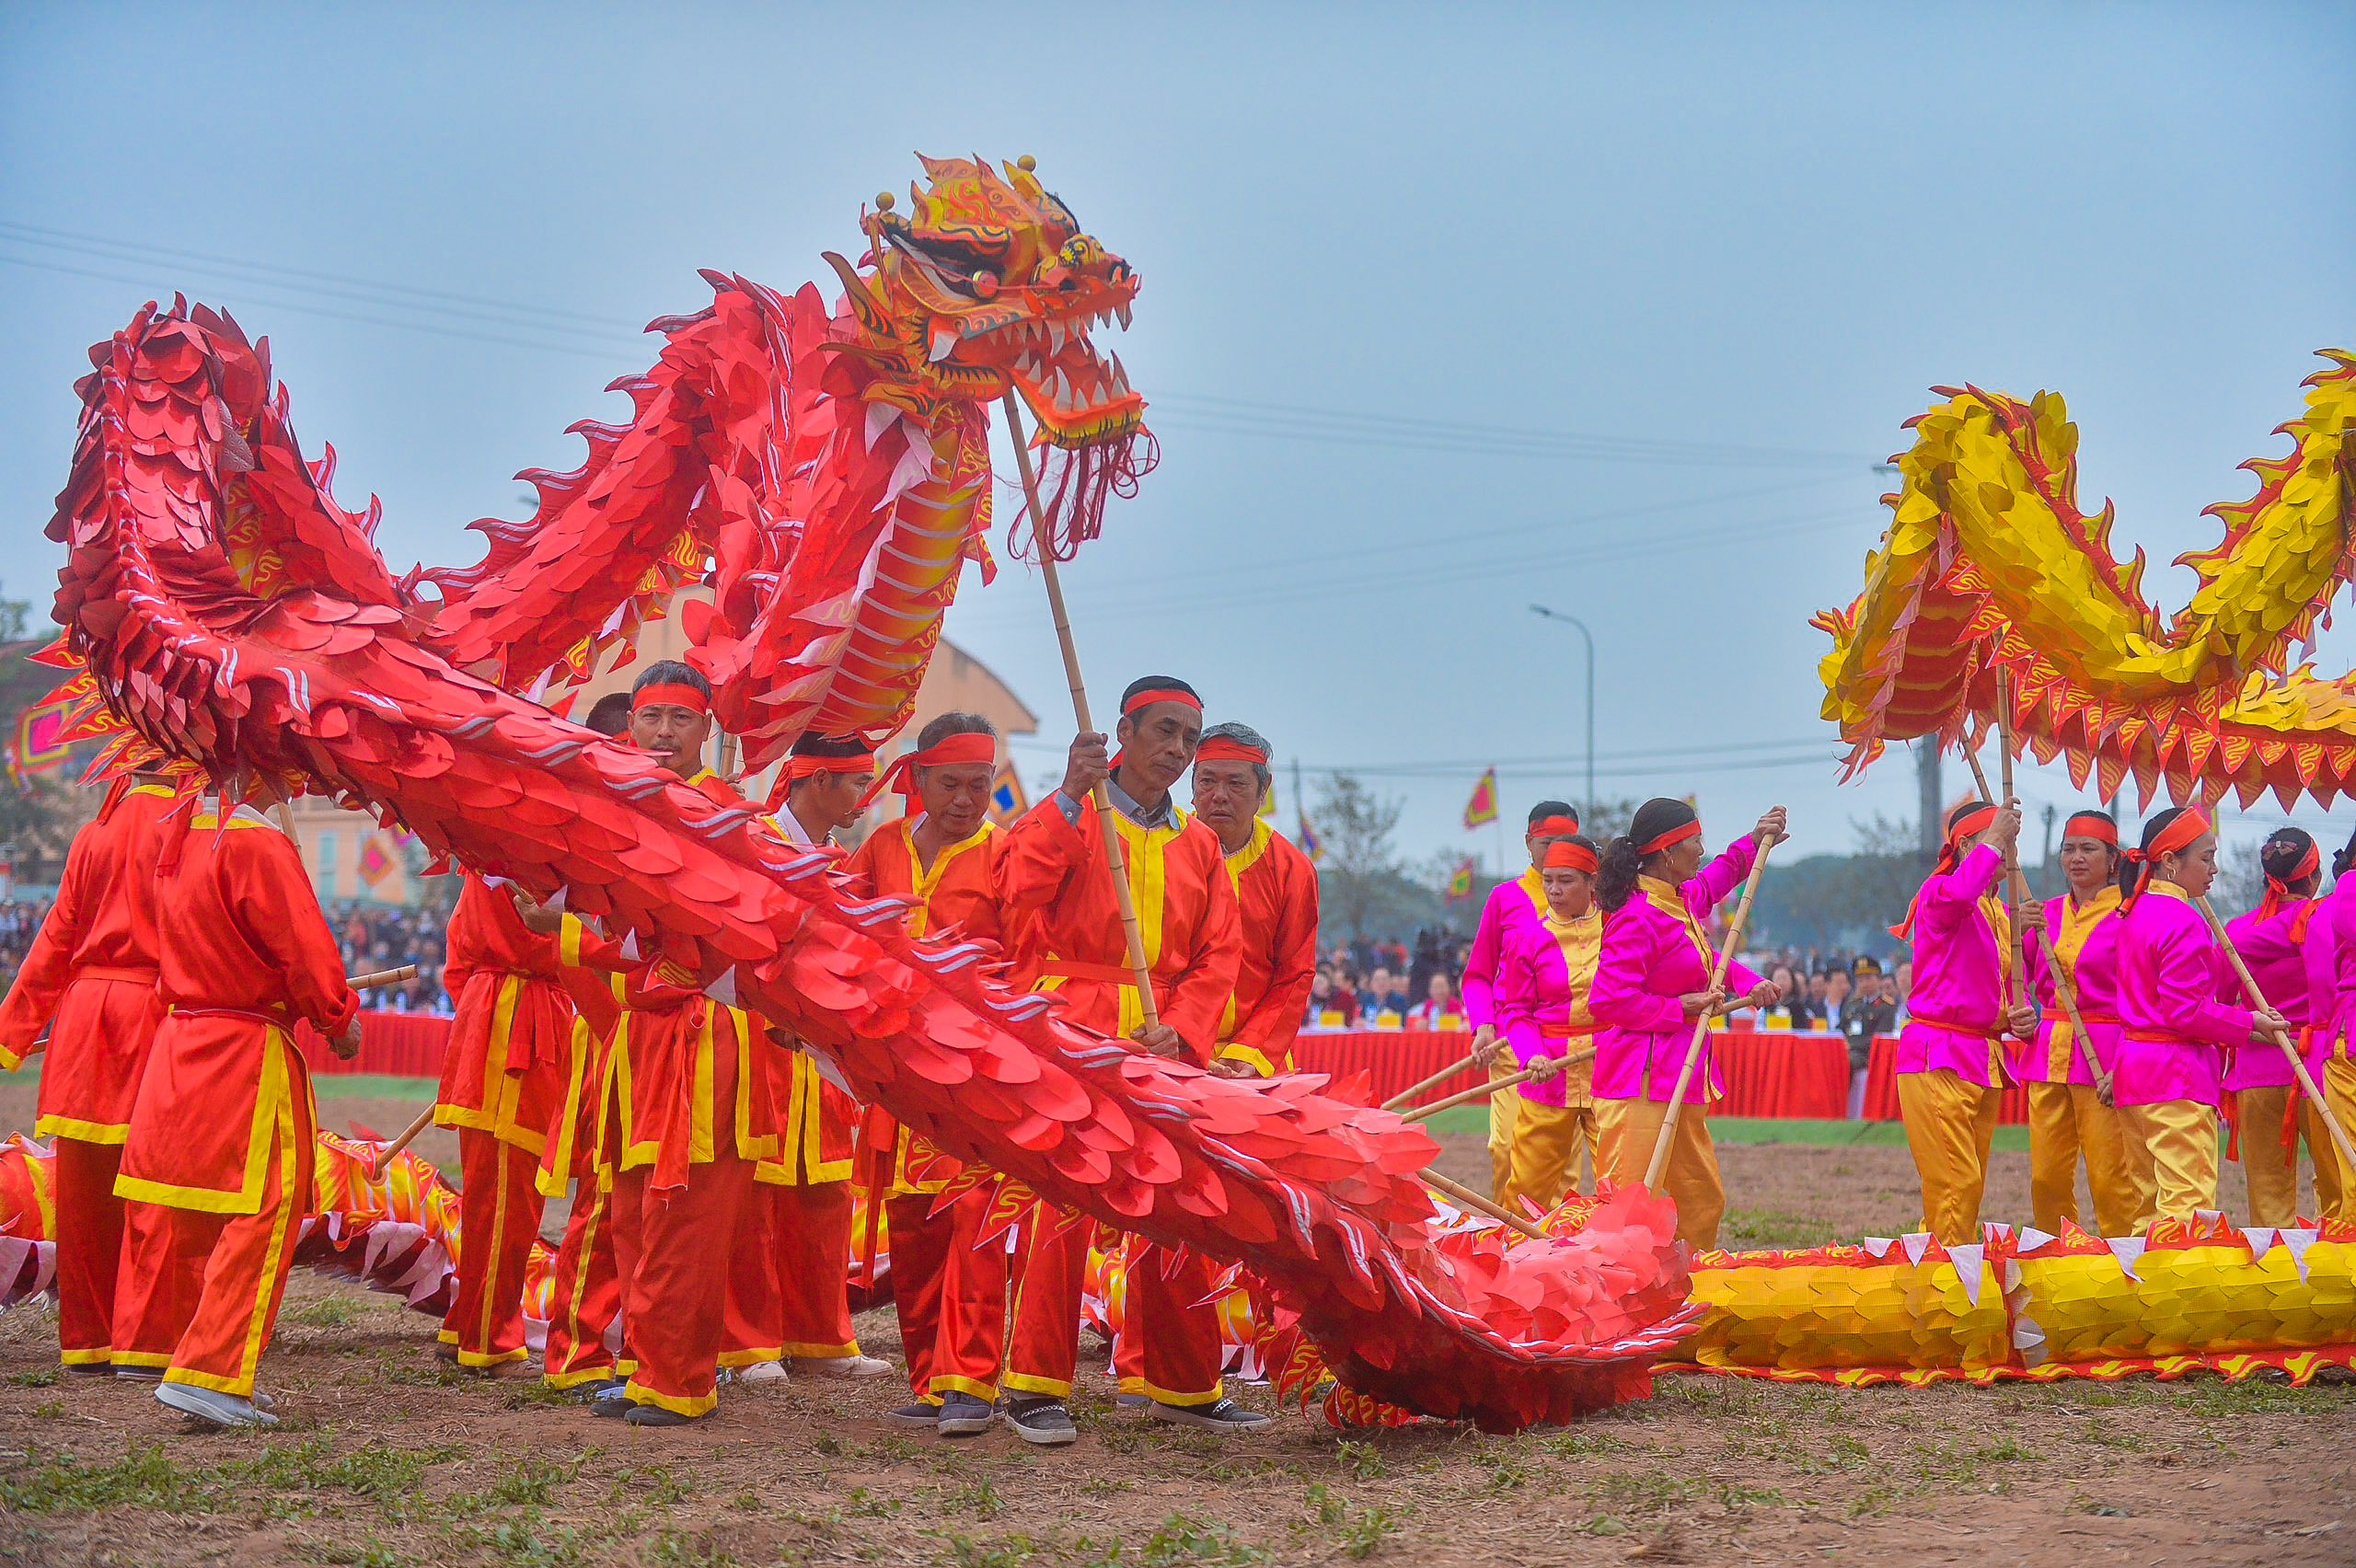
point(1589, 638)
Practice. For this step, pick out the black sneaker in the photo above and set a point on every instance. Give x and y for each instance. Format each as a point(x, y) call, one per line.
point(611, 1399)
point(656, 1415)
point(1041, 1419)
point(918, 1414)
point(1225, 1415)
point(1133, 1402)
point(963, 1416)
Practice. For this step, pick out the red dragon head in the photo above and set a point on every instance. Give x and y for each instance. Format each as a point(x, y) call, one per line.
point(989, 282)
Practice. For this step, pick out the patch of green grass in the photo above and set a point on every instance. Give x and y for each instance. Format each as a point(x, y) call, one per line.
point(1106, 1486)
point(692, 1551)
point(2102, 1432)
point(1508, 1469)
point(1953, 1464)
point(1007, 1552)
point(535, 1481)
point(1185, 1538)
point(144, 1478)
point(368, 1553)
point(39, 1378)
point(1363, 1460)
point(1752, 1230)
point(529, 1542)
point(1842, 1453)
point(49, 1410)
point(978, 1498)
point(1646, 1492)
point(1818, 1132)
point(1877, 1497)
point(327, 1312)
point(377, 1086)
point(1583, 1445)
point(1359, 1533)
point(654, 1483)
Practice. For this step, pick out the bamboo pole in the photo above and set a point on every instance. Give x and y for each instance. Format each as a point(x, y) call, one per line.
point(1114, 860)
point(381, 978)
point(1406, 1095)
point(1479, 1204)
point(2063, 986)
point(1702, 1024)
point(1482, 1091)
point(383, 1156)
point(2298, 1063)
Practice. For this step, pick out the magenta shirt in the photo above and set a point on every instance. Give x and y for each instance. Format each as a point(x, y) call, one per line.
point(1534, 990)
point(2170, 979)
point(1510, 905)
point(1648, 961)
point(1955, 1018)
point(2094, 979)
point(2330, 955)
point(2275, 950)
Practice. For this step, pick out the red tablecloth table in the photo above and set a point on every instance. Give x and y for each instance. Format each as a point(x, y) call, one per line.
point(404, 1045)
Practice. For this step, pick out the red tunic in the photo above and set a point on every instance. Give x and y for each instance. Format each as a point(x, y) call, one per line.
point(250, 955)
point(510, 1058)
point(957, 895)
point(1275, 896)
point(661, 1068)
point(90, 975)
point(1059, 902)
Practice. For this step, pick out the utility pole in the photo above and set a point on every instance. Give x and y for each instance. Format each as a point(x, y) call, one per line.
point(1580, 625)
point(2052, 811)
point(1932, 830)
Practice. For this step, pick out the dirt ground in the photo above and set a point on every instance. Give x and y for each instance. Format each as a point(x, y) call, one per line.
point(387, 1459)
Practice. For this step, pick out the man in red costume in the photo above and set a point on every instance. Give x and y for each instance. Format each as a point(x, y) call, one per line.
point(90, 980)
point(584, 1297)
point(1056, 886)
point(1275, 896)
point(224, 1124)
point(694, 1112)
point(508, 1066)
point(790, 1289)
point(949, 1289)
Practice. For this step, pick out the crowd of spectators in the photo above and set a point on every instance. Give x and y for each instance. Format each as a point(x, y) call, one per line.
point(1387, 985)
point(376, 937)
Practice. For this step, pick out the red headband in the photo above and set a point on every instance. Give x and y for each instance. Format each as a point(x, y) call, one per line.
point(1152, 695)
point(2086, 824)
point(811, 766)
point(1969, 823)
point(1227, 748)
point(2185, 828)
point(1554, 826)
point(946, 752)
point(1571, 853)
point(674, 694)
point(1690, 828)
point(2279, 889)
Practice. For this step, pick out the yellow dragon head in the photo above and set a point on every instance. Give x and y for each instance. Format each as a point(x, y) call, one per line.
point(986, 283)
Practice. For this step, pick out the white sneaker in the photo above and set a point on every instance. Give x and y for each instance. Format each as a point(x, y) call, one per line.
point(761, 1372)
point(855, 1366)
point(206, 1404)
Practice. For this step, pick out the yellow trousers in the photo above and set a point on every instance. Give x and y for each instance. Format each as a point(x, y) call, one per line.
point(2335, 1182)
point(1950, 1120)
point(2271, 1170)
point(2172, 1156)
point(2065, 1121)
point(1504, 1104)
point(1625, 1131)
point(1546, 1144)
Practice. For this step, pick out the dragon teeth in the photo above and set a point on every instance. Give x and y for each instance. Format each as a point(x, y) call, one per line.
point(1054, 337)
point(1123, 311)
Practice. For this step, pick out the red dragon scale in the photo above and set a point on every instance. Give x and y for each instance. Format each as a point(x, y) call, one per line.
point(228, 612)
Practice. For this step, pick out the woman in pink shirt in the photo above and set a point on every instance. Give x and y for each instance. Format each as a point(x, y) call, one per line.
point(1510, 906)
point(2068, 1078)
point(2331, 1042)
point(2169, 1079)
point(1652, 980)
point(1950, 1055)
point(2259, 1085)
point(1541, 1014)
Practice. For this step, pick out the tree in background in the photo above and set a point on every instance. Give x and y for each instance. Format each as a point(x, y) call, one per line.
point(1844, 901)
point(1360, 863)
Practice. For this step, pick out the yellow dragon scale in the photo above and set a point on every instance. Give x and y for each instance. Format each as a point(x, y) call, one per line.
point(1987, 565)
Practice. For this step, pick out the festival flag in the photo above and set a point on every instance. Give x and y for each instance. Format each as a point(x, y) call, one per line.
point(1483, 806)
point(1007, 801)
point(1309, 844)
point(376, 861)
point(39, 745)
point(1460, 883)
point(1268, 802)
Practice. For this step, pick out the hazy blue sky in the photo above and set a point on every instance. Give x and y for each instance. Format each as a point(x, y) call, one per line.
point(1377, 243)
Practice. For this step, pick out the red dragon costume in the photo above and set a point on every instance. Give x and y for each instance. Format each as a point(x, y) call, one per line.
point(832, 467)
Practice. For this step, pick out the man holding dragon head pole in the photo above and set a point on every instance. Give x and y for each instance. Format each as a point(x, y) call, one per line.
point(1057, 889)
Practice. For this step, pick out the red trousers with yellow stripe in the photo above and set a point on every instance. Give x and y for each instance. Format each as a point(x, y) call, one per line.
point(90, 1248)
point(675, 1297)
point(164, 1254)
point(950, 1293)
point(788, 1277)
point(585, 1296)
point(499, 1216)
point(245, 1272)
point(1178, 1350)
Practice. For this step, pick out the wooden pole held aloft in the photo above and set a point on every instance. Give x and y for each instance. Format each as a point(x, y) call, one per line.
point(1479, 1204)
point(1114, 858)
point(1511, 1081)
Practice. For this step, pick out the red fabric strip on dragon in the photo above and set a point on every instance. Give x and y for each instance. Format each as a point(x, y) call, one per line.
point(826, 471)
